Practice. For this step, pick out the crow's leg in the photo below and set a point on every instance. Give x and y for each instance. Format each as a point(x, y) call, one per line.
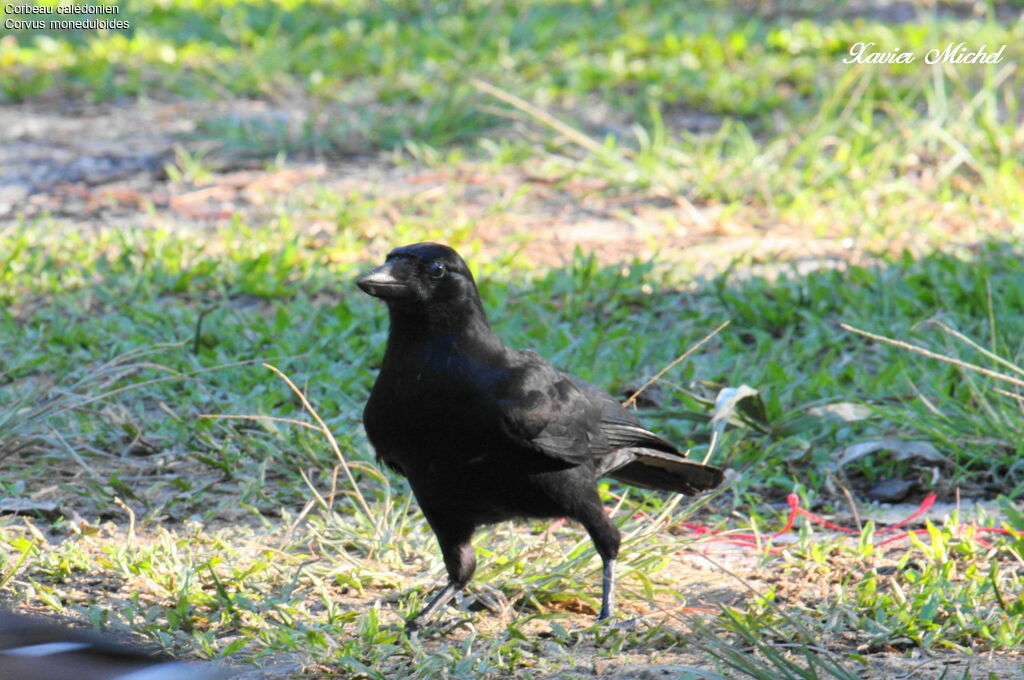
point(459, 560)
point(440, 600)
point(606, 538)
point(607, 590)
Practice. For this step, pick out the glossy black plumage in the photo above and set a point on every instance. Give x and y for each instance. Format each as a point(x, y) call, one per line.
point(486, 433)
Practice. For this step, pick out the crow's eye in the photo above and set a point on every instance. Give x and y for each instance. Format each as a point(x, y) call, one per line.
point(436, 270)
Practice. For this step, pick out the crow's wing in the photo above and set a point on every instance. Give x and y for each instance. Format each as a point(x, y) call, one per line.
point(643, 458)
point(570, 420)
point(544, 410)
point(621, 427)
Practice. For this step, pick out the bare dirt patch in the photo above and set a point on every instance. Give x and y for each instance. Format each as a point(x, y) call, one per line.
point(101, 166)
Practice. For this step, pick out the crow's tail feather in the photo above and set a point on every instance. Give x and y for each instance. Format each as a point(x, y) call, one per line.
point(661, 472)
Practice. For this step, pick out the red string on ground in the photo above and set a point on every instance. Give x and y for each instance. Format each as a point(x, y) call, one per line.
point(764, 542)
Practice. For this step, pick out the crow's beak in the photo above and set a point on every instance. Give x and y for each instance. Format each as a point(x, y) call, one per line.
point(381, 282)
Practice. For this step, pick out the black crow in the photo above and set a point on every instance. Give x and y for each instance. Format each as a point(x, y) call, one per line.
point(487, 433)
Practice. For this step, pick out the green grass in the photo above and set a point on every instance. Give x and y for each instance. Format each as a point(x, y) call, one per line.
point(244, 538)
point(219, 562)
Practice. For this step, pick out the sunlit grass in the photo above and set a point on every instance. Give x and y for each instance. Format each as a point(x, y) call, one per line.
point(261, 567)
point(242, 537)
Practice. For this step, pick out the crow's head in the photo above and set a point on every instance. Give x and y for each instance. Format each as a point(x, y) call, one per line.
point(424, 275)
